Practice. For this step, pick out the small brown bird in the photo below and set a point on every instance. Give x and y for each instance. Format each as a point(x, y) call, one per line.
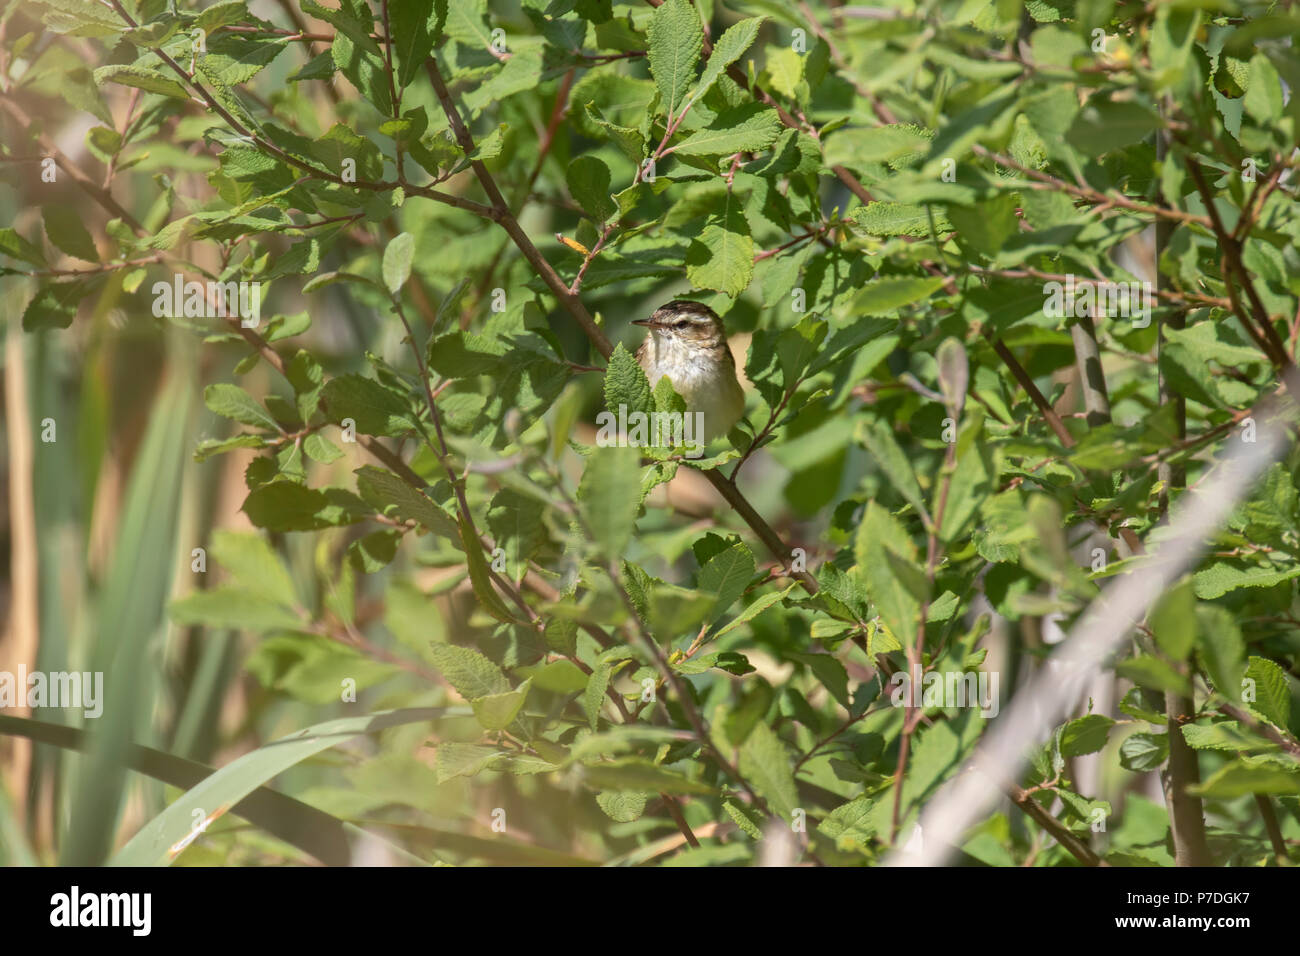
point(688, 343)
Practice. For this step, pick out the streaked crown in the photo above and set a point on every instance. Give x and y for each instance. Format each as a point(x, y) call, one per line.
point(691, 322)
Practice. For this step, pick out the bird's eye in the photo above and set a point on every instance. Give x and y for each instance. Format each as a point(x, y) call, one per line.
point(681, 324)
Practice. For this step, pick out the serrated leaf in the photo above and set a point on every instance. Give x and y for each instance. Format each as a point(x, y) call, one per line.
point(675, 40)
point(469, 672)
point(621, 806)
point(897, 585)
point(63, 226)
point(231, 401)
point(1085, 735)
point(757, 607)
point(1266, 683)
point(593, 696)
point(751, 128)
point(766, 764)
point(727, 575)
point(151, 81)
point(626, 384)
point(899, 219)
point(376, 409)
point(588, 180)
point(730, 46)
point(382, 489)
point(722, 256)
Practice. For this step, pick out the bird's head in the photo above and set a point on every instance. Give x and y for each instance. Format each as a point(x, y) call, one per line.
point(686, 324)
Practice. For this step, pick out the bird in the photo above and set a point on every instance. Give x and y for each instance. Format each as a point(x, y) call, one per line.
point(688, 343)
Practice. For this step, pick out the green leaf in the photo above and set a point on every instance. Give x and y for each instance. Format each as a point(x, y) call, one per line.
point(1144, 752)
point(151, 81)
point(727, 575)
point(897, 584)
point(222, 14)
point(765, 763)
point(641, 776)
point(626, 384)
point(588, 180)
point(480, 575)
point(722, 257)
point(412, 41)
point(374, 551)
point(1173, 620)
point(750, 129)
point(971, 479)
point(987, 225)
point(231, 401)
point(1238, 779)
point(756, 607)
point(289, 506)
point(382, 489)
point(55, 305)
point(883, 296)
point(374, 408)
point(234, 607)
point(498, 711)
point(628, 140)
point(1224, 576)
point(1086, 735)
point(610, 493)
point(63, 226)
point(341, 19)
point(465, 760)
point(899, 219)
point(676, 38)
point(397, 261)
point(472, 674)
point(593, 696)
point(254, 565)
point(1103, 126)
point(1152, 672)
point(852, 825)
point(730, 46)
point(1266, 691)
point(1221, 649)
point(16, 247)
point(621, 806)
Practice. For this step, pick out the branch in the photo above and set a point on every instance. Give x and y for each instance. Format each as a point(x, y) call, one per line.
point(573, 305)
point(501, 213)
point(1106, 625)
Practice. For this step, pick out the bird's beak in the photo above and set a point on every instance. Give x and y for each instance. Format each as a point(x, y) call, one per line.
point(648, 323)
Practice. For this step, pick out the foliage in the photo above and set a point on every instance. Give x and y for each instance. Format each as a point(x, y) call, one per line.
point(453, 211)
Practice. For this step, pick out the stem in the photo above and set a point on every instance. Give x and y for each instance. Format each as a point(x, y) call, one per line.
point(1186, 818)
